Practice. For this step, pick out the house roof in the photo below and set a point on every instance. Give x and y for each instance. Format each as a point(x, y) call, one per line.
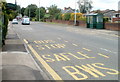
point(67, 11)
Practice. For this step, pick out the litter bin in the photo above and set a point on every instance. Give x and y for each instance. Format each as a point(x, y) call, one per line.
point(95, 21)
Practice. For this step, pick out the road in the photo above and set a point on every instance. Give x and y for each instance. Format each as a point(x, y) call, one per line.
point(66, 52)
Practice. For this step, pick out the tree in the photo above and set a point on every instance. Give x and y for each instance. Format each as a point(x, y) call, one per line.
point(11, 6)
point(42, 13)
point(85, 6)
point(53, 10)
point(31, 10)
point(22, 11)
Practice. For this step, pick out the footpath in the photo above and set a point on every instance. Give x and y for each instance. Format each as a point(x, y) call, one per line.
point(17, 63)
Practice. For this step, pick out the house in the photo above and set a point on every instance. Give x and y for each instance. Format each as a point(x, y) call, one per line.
point(108, 13)
point(112, 15)
point(116, 16)
point(67, 10)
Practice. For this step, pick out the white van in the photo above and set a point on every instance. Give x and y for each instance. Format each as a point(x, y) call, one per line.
point(25, 21)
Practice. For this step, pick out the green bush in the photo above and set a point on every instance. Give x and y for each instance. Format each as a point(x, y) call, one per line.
point(34, 19)
point(4, 26)
point(67, 16)
point(56, 16)
point(106, 19)
point(83, 18)
point(60, 17)
point(0, 32)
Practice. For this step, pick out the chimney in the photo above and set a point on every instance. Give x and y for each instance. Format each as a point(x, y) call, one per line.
point(64, 8)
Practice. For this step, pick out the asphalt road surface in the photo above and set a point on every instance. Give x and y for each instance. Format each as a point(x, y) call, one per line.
point(66, 52)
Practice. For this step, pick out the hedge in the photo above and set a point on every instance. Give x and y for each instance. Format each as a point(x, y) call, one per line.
point(4, 28)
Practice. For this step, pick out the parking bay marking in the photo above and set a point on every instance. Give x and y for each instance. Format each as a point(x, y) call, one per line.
point(41, 60)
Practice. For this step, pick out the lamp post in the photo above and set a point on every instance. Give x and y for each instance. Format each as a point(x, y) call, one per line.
point(75, 14)
point(29, 12)
point(39, 10)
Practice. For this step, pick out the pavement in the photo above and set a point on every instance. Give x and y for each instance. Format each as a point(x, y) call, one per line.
point(17, 62)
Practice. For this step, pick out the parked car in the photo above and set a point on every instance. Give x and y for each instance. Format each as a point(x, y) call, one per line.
point(26, 21)
point(14, 21)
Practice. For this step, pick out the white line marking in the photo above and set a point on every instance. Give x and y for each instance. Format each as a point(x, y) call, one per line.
point(108, 50)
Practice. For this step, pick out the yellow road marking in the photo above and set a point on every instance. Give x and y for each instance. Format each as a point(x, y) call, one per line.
point(103, 55)
point(115, 35)
point(47, 46)
point(87, 49)
point(35, 42)
point(37, 46)
point(25, 41)
point(47, 67)
point(74, 44)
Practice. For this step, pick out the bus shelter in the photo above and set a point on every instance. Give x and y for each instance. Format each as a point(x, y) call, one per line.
point(95, 21)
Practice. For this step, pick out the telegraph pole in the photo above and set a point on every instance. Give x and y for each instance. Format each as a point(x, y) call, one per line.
point(15, 2)
point(39, 10)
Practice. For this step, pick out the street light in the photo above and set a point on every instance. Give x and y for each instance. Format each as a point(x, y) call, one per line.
point(75, 14)
point(29, 12)
point(39, 10)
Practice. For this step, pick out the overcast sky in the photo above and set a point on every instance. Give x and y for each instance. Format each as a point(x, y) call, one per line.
point(97, 4)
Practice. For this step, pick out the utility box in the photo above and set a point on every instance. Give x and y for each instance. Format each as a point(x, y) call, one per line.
point(95, 21)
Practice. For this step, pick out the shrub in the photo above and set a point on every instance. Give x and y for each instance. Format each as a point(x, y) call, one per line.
point(67, 16)
point(57, 16)
point(60, 17)
point(4, 28)
point(79, 16)
point(5, 25)
point(106, 19)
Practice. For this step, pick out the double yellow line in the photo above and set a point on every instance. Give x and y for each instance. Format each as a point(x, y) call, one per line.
point(41, 60)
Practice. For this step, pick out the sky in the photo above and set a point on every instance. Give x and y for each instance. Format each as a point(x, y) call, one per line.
point(97, 4)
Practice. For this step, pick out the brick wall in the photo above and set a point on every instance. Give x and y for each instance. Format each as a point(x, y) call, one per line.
point(82, 23)
point(71, 22)
point(109, 26)
point(115, 19)
point(112, 26)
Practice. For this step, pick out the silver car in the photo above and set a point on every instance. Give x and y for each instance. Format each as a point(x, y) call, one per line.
point(14, 21)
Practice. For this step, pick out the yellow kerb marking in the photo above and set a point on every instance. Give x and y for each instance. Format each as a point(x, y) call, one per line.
point(115, 35)
point(87, 49)
point(103, 55)
point(47, 67)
